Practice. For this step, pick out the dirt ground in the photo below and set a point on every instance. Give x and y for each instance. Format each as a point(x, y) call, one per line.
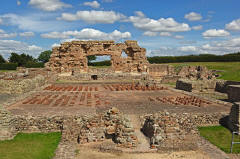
point(70, 99)
point(82, 99)
point(84, 153)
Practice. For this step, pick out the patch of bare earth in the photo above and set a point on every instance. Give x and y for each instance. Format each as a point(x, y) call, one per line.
point(86, 153)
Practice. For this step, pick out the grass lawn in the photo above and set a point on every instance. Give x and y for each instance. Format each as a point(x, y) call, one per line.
point(231, 70)
point(8, 70)
point(221, 137)
point(30, 146)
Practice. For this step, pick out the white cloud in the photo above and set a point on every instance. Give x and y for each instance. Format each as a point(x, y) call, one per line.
point(93, 16)
point(9, 46)
point(18, 2)
point(179, 37)
point(1, 21)
point(215, 33)
point(149, 33)
point(223, 47)
point(88, 34)
point(161, 25)
point(4, 35)
point(27, 34)
point(188, 48)
point(107, 1)
point(39, 22)
point(214, 47)
point(234, 25)
point(55, 35)
point(165, 34)
point(198, 27)
point(164, 51)
point(48, 5)
point(93, 4)
point(34, 48)
point(55, 45)
point(193, 16)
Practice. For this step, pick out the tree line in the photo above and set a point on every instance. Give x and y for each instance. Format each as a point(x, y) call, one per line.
point(195, 58)
point(24, 60)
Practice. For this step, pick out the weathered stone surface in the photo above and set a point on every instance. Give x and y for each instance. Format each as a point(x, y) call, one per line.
point(164, 128)
point(199, 85)
point(161, 70)
point(72, 56)
point(7, 128)
point(21, 85)
point(196, 73)
point(185, 85)
point(82, 129)
point(234, 118)
point(233, 92)
point(221, 85)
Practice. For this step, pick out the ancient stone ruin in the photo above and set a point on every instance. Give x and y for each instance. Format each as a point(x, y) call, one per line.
point(234, 117)
point(72, 56)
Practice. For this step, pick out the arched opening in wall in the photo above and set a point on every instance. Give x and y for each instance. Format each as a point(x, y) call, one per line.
point(124, 54)
point(99, 61)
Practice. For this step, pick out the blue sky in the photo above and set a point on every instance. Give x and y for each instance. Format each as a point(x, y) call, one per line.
point(172, 27)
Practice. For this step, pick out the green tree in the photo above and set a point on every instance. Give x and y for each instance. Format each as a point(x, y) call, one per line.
point(2, 60)
point(14, 58)
point(91, 58)
point(22, 59)
point(45, 56)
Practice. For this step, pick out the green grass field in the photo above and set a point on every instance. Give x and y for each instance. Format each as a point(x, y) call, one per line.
point(7, 70)
point(30, 146)
point(231, 70)
point(220, 137)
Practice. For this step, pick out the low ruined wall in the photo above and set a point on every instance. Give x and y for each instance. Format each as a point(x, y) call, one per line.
point(111, 124)
point(184, 85)
point(163, 128)
point(221, 85)
point(196, 73)
point(234, 118)
point(199, 85)
point(170, 79)
point(81, 129)
point(104, 76)
point(161, 70)
point(21, 85)
point(7, 129)
point(233, 92)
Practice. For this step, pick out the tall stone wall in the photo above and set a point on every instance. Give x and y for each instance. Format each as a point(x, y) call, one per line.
point(72, 56)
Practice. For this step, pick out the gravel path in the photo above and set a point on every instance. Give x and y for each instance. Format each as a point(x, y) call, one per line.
point(143, 141)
